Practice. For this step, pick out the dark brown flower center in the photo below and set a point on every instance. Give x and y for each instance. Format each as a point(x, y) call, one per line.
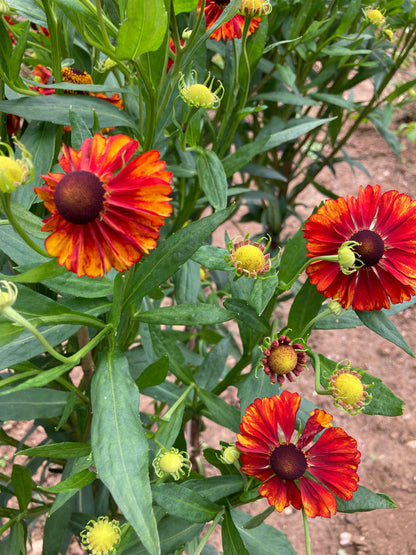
point(288, 462)
point(282, 359)
point(79, 197)
point(371, 247)
point(222, 3)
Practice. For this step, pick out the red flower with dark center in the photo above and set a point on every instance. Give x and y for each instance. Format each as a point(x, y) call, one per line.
point(382, 228)
point(298, 471)
point(107, 207)
point(232, 28)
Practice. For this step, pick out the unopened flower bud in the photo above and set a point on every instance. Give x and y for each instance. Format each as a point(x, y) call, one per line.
point(4, 7)
point(335, 307)
point(14, 173)
point(230, 454)
point(186, 33)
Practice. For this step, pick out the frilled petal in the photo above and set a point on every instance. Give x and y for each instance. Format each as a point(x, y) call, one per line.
point(232, 28)
point(257, 465)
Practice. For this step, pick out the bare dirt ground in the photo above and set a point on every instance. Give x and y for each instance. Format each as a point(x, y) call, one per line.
point(387, 445)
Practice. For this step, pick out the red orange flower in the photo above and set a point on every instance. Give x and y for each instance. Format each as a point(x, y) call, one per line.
point(379, 230)
point(107, 207)
point(296, 471)
point(232, 28)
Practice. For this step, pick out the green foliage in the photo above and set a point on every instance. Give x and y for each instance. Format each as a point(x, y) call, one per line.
point(119, 368)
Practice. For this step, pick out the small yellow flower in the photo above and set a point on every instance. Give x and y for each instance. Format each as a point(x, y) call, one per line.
point(249, 259)
point(255, 7)
point(173, 463)
point(200, 95)
point(375, 17)
point(347, 389)
point(14, 173)
point(101, 536)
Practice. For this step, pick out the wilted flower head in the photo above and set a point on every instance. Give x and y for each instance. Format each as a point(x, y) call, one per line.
point(282, 359)
point(200, 95)
point(101, 536)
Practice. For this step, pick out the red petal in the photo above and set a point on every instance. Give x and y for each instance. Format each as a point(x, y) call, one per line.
point(316, 499)
point(281, 494)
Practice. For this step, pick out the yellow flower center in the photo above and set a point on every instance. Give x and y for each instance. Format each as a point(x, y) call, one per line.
point(348, 388)
point(282, 359)
point(102, 537)
point(249, 258)
point(170, 463)
point(12, 174)
point(79, 197)
point(375, 17)
point(199, 95)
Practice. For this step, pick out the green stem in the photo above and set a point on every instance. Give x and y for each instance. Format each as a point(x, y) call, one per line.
point(166, 417)
point(306, 531)
point(55, 43)
point(5, 202)
point(17, 318)
point(317, 368)
point(103, 27)
point(309, 325)
point(204, 540)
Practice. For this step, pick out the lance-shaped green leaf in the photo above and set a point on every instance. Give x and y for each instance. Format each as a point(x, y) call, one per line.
point(365, 500)
point(237, 160)
point(212, 178)
point(219, 411)
point(293, 259)
point(264, 539)
point(179, 501)
point(304, 308)
point(55, 108)
point(33, 403)
point(73, 483)
point(379, 322)
point(64, 450)
point(171, 254)
point(247, 315)
point(143, 29)
point(184, 5)
point(191, 314)
point(120, 447)
point(22, 484)
point(232, 544)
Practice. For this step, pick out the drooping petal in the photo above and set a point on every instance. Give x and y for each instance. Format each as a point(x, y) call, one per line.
point(281, 494)
point(316, 499)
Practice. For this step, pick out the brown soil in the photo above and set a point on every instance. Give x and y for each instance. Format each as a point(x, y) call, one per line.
point(387, 445)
